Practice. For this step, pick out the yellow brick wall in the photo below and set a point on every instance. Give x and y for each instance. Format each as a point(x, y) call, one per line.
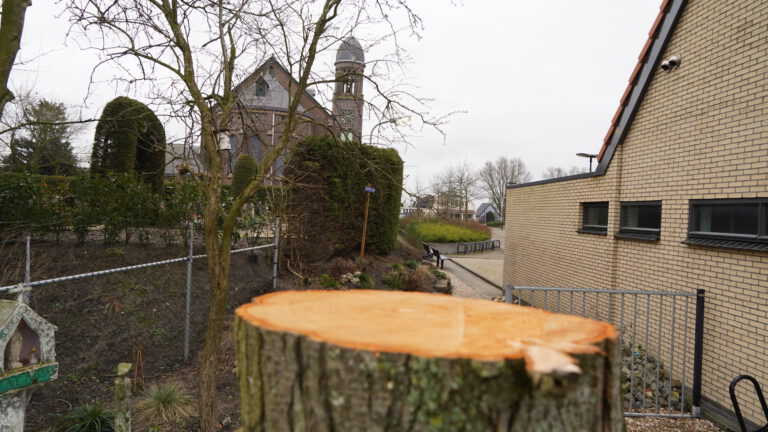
point(700, 132)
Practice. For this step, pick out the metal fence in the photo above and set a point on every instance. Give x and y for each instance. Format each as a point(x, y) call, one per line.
point(23, 288)
point(482, 246)
point(661, 352)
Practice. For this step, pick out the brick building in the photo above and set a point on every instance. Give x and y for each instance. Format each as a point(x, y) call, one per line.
point(679, 199)
point(258, 120)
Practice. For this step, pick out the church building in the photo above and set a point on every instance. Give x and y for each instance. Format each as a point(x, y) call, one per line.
point(260, 115)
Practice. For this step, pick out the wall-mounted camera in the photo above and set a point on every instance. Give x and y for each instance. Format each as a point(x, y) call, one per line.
point(671, 63)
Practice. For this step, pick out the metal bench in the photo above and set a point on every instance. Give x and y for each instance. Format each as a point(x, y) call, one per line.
point(737, 409)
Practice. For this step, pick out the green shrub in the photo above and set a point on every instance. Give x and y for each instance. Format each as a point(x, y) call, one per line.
point(327, 281)
point(246, 168)
point(87, 418)
point(495, 224)
point(129, 139)
point(440, 232)
point(393, 280)
point(366, 281)
point(411, 264)
point(165, 402)
point(327, 198)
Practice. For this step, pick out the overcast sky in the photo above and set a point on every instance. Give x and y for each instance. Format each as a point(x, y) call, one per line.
point(539, 80)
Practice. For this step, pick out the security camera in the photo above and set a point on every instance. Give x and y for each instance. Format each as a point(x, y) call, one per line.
point(674, 61)
point(665, 66)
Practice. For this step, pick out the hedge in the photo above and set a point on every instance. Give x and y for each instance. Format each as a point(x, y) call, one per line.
point(326, 200)
point(120, 205)
point(434, 230)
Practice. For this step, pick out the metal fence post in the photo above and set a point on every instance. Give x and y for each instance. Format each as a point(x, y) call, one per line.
point(188, 299)
point(508, 293)
point(277, 248)
point(27, 272)
point(697, 354)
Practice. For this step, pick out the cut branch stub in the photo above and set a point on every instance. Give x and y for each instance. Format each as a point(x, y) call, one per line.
point(384, 360)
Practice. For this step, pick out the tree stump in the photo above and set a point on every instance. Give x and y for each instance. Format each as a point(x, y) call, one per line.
point(366, 360)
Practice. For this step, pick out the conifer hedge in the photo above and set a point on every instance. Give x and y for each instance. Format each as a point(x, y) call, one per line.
point(129, 138)
point(327, 199)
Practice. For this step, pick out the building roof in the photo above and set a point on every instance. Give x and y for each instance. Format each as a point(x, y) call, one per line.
point(486, 207)
point(350, 51)
point(647, 65)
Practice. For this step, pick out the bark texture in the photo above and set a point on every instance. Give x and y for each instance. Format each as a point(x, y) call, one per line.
point(293, 382)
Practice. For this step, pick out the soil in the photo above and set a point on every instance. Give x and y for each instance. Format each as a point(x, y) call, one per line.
point(106, 320)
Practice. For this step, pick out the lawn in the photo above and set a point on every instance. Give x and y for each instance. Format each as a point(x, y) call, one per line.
point(444, 232)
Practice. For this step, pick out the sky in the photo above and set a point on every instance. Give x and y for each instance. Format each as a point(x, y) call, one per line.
point(539, 80)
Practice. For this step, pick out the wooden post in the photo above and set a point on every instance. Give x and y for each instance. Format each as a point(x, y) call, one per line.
point(366, 360)
point(368, 191)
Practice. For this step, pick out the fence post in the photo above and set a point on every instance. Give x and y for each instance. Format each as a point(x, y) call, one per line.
point(27, 273)
point(277, 248)
point(188, 299)
point(508, 293)
point(123, 398)
point(697, 354)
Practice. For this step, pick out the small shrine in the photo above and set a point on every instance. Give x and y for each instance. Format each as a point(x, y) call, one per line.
point(27, 358)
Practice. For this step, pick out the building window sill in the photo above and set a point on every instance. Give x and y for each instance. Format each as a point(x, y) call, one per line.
point(727, 244)
point(592, 231)
point(646, 237)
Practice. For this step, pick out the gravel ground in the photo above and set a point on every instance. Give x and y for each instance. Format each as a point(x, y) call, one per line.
point(651, 424)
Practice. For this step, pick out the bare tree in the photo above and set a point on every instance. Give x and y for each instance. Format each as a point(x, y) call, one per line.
point(188, 53)
point(11, 29)
point(494, 176)
point(555, 172)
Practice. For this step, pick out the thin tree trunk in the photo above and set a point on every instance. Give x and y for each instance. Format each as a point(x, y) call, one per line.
point(11, 29)
point(329, 361)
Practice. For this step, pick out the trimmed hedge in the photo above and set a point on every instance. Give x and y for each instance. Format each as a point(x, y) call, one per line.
point(129, 138)
point(121, 205)
point(445, 231)
point(326, 201)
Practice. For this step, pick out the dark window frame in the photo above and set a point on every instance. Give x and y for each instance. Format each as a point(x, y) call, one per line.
point(637, 233)
point(761, 235)
point(592, 228)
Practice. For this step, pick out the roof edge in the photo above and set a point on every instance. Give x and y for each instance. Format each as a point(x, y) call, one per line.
point(661, 32)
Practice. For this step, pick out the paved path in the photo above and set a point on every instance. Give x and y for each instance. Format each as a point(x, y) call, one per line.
point(476, 275)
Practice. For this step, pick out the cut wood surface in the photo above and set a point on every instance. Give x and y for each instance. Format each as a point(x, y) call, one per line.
point(430, 325)
point(387, 360)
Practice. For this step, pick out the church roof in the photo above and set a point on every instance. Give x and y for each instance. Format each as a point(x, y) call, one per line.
point(350, 51)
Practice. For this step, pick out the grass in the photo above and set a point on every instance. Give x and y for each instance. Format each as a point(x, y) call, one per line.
point(87, 418)
point(165, 402)
point(442, 232)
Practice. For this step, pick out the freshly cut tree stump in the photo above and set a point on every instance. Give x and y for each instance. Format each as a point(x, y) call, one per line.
point(394, 361)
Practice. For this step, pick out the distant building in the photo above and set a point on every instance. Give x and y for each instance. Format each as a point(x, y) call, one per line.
point(259, 117)
point(487, 212)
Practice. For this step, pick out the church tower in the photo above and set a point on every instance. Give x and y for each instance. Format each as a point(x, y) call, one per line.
point(348, 95)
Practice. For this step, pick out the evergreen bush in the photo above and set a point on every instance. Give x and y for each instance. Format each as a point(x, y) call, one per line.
point(129, 139)
point(326, 201)
point(246, 168)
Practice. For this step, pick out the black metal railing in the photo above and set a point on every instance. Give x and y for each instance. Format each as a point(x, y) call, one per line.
point(464, 248)
point(659, 366)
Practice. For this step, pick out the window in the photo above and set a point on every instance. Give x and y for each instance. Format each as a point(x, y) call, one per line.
point(640, 220)
point(261, 87)
point(256, 148)
point(232, 151)
point(594, 218)
point(735, 220)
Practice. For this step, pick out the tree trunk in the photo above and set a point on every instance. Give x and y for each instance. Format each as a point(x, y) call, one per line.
point(393, 361)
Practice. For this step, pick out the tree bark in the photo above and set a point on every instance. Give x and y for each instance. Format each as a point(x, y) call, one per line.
point(393, 361)
point(11, 28)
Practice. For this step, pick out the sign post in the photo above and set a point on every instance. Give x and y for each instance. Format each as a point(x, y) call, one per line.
point(368, 190)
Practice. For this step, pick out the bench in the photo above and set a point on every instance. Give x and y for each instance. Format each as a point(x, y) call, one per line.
point(431, 252)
